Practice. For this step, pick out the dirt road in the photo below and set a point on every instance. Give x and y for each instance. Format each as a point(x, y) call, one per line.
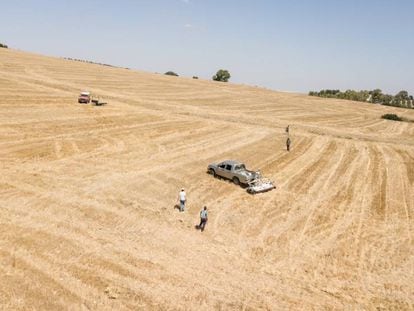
point(87, 195)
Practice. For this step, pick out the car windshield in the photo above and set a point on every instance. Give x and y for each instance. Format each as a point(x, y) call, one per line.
point(239, 167)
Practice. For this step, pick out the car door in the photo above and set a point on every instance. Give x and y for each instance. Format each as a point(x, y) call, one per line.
point(221, 170)
point(228, 171)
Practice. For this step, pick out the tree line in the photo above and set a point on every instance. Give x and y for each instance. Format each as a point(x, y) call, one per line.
point(92, 62)
point(401, 99)
point(3, 46)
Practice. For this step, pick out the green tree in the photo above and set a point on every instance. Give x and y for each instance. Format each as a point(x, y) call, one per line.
point(222, 76)
point(350, 95)
point(402, 96)
point(376, 96)
point(387, 99)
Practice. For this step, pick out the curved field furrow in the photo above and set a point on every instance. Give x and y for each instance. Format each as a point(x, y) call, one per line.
point(379, 199)
point(324, 183)
point(408, 160)
point(401, 198)
point(308, 176)
point(300, 148)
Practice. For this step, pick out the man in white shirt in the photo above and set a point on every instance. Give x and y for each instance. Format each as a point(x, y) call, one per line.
point(203, 218)
point(182, 198)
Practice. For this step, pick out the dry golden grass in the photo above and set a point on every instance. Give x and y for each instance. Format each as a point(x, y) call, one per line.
point(87, 195)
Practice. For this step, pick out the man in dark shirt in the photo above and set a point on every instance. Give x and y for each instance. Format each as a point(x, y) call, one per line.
point(203, 218)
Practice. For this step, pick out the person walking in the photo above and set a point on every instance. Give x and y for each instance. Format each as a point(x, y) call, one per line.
point(288, 142)
point(203, 218)
point(287, 130)
point(182, 197)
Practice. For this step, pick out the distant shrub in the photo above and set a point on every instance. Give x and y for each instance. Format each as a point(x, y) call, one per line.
point(222, 76)
point(195, 77)
point(171, 73)
point(3, 46)
point(392, 116)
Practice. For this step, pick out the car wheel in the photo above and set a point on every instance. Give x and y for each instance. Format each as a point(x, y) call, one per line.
point(212, 172)
point(236, 181)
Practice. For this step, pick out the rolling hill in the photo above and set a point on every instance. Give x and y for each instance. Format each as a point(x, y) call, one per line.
point(87, 195)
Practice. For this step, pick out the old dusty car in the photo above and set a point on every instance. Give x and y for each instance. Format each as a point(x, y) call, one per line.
point(233, 170)
point(236, 171)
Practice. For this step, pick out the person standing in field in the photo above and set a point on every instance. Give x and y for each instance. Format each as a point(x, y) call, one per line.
point(182, 197)
point(203, 218)
point(288, 142)
point(287, 129)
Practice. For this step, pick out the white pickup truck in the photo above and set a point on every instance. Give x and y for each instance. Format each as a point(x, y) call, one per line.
point(237, 172)
point(233, 170)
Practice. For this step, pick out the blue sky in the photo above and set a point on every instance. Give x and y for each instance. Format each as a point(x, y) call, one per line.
point(296, 45)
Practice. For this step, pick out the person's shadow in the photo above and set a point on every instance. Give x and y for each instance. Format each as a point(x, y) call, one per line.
point(177, 206)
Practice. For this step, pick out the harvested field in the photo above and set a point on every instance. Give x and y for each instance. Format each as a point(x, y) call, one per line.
point(87, 195)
